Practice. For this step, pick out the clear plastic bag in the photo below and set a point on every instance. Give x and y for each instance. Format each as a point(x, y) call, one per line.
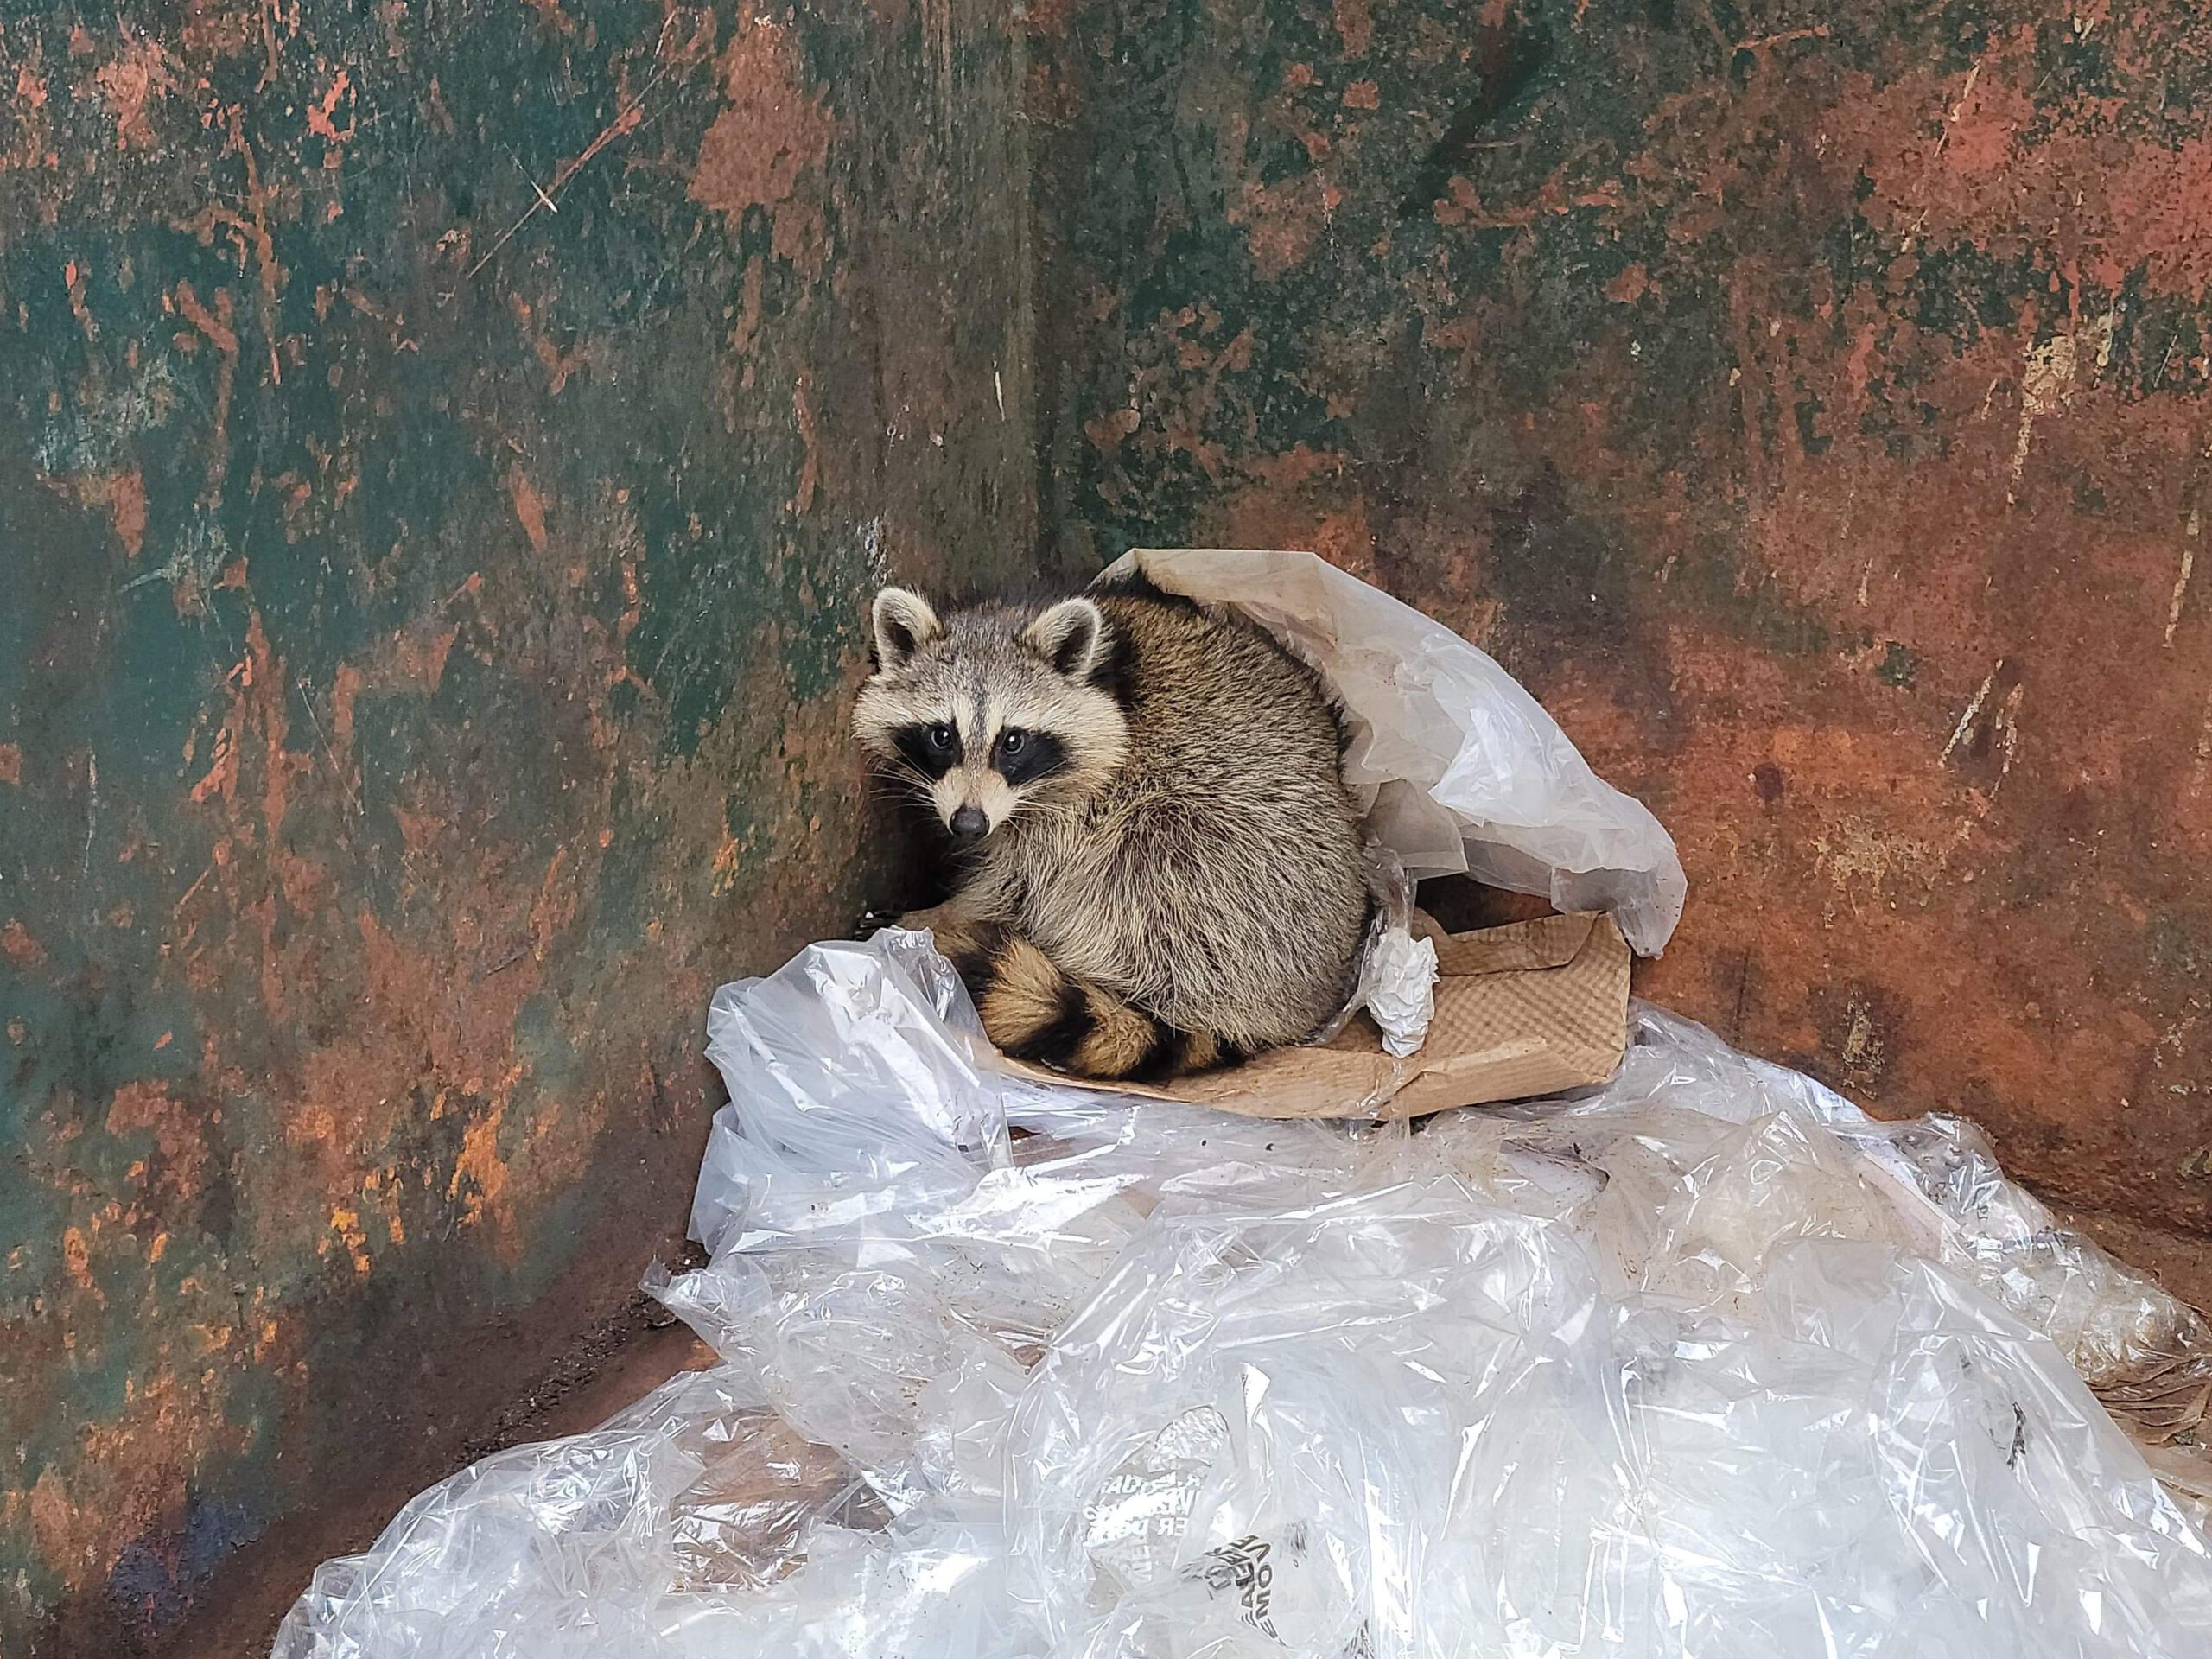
point(1704, 1363)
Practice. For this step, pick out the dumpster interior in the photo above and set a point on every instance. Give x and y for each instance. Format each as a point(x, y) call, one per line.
point(446, 450)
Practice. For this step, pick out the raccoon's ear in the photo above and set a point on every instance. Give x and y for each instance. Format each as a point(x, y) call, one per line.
point(1069, 637)
point(904, 623)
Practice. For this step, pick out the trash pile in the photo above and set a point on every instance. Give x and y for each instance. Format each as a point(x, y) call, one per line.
point(1702, 1362)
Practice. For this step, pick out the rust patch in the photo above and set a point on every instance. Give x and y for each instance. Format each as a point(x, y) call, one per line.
point(1106, 430)
point(176, 1128)
point(135, 82)
point(810, 471)
point(770, 143)
point(1282, 222)
point(321, 113)
point(1976, 160)
point(530, 507)
point(1355, 26)
point(126, 500)
point(18, 946)
point(1631, 285)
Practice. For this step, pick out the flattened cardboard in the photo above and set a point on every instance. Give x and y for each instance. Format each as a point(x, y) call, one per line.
point(1521, 1011)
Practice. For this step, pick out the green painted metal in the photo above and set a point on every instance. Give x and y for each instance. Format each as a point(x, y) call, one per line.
point(444, 448)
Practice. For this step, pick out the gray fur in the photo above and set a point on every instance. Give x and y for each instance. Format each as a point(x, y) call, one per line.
point(1199, 859)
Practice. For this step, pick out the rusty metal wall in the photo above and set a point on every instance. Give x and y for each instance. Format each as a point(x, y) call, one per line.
point(442, 445)
point(1808, 399)
point(441, 442)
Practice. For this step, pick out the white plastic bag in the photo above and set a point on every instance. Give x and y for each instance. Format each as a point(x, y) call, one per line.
point(1705, 1362)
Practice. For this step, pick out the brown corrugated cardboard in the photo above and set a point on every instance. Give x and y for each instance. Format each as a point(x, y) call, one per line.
point(1521, 1011)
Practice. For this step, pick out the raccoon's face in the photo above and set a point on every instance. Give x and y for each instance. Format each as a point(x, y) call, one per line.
point(990, 709)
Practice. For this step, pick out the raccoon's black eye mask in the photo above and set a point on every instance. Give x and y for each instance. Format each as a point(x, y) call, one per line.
point(930, 750)
point(1019, 755)
point(1023, 757)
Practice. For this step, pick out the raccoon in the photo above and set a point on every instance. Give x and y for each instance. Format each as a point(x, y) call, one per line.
point(1162, 870)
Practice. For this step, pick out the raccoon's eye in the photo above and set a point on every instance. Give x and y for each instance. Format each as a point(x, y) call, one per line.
point(1023, 757)
point(940, 738)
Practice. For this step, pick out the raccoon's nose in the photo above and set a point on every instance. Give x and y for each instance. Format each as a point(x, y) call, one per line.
point(968, 823)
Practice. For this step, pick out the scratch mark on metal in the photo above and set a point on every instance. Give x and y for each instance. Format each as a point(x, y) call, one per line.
point(878, 567)
point(1966, 720)
point(2008, 735)
point(544, 200)
point(343, 775)
point(1950, 120)
point(1817, 32)
point(2203, 751)
point(627, 120)
point(92, 809)
point(2181, 581)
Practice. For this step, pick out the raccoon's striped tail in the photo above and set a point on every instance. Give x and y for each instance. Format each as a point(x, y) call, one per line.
point(1034, 1011)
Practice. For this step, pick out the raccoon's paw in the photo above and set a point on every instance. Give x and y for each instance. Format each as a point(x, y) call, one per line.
point(873, 922)
point(954, 930)
point(960, 940)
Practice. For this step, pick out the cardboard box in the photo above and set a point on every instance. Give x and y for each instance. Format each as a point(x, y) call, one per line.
point(1521, 1011)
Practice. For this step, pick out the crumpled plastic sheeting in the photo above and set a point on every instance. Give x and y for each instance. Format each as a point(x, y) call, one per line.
point(1706, 1364)
point(1459, 768)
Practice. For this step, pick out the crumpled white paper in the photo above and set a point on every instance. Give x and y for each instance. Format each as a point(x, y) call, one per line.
point(1404, 1000)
